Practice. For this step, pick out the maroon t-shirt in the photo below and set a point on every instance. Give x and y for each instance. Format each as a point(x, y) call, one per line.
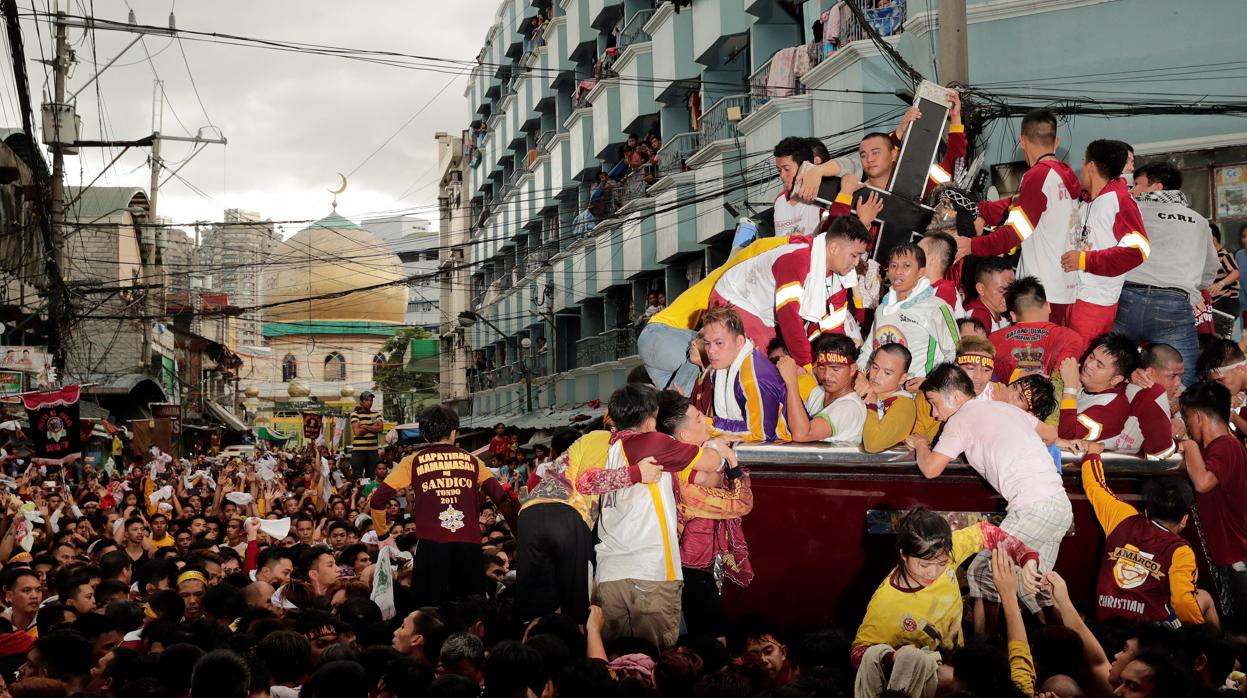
point(1222, 511)
point(447, 484)
point(1133, 583)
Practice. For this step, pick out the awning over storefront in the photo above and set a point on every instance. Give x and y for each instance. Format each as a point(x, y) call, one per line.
point(484, 421)
point(225, 416)
point(541, 419)
point(124, 397)
point(140, 385)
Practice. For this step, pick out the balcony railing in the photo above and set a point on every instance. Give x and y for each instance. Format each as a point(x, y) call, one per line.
point(619, 343)
point(580, 96)
point(673, 153)
point(590, 351)
point(634, 185)
point(719, 121)
point(887, 20)
point(634, 31)
point(545, 139)
point(781, 75)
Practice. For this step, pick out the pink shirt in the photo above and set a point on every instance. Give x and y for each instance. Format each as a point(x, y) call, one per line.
point(1000, 443)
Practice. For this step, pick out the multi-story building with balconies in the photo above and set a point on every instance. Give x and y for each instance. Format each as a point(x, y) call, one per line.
point(562, 270)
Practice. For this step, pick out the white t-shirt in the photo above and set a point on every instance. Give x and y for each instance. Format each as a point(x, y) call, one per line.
point(1000, 443)
point(632, 543)
point(796, 217)
point(846, 415)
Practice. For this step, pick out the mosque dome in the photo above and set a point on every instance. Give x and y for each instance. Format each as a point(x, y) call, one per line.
point(334, 256)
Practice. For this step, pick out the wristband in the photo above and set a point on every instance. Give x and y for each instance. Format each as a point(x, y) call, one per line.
point(1070, 391)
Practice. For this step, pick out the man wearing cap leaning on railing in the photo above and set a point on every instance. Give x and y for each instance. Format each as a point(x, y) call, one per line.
point(836, 413)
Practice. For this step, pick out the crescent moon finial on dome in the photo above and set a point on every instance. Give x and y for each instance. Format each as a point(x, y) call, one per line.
point(337, 191)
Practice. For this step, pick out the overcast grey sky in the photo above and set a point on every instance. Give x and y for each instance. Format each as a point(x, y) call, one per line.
point(292, 120)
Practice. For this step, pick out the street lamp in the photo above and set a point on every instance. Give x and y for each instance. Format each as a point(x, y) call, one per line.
point(468, 318)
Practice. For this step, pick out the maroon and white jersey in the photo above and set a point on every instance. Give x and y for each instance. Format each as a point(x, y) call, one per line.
point(1112, 242)
point(1043, 219)
point(788, 288)
point(1094, 416)
point(1147, 431)
point(979, 311)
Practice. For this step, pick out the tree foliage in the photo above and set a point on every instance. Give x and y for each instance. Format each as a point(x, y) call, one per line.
point(401, 386)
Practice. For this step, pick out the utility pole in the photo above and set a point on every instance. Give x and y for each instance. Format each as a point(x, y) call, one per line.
point(954, 54)
point(62, 119)
point(60, 68)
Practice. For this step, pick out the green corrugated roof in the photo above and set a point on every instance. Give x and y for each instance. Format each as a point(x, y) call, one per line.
point(98, 202)
point(283, 329)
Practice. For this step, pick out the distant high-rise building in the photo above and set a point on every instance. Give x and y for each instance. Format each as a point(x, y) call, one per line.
point(232, 257)
point(178, 256)
point(410, 238)
point(454, 276)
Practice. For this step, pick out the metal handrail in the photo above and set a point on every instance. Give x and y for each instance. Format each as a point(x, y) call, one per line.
point(887, 20)
point(634, 185)
point(715, 124)
point(544, 140)
point(590, 351)
point(619, 343)
point(634, 30)
point(677, 149)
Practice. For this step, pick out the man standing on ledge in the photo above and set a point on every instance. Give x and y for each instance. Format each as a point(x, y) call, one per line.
point(366, 427)
point(448, 486)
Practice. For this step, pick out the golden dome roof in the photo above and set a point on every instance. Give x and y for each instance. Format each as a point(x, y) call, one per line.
point(331, 256)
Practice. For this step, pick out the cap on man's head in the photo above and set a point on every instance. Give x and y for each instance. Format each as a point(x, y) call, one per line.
point(366, 395)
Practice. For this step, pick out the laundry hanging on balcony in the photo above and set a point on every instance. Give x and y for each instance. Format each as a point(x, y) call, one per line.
point(787, 66)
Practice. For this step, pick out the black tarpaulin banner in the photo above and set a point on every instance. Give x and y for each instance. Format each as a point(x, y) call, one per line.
point(312, 424)
point(54, 428)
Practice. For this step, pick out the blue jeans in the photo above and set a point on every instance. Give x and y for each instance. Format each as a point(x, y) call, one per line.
point(1160, 316)
point(664, 351)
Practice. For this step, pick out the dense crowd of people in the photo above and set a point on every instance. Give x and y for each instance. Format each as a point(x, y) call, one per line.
point(592, 562)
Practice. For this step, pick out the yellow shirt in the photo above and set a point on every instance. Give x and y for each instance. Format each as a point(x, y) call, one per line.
point(163, 542)
point(806, 384)
point(589, 452)
point(897, 422)
point(1022, 667)
point(686, 310)
point(929, 617)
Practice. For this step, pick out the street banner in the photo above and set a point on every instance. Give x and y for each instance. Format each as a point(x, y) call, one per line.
point(151, 432)
point(312, 424)
point(11, 383)
point(168, 410)
point(24, 358)
point(339, 433)
point(54, 425)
